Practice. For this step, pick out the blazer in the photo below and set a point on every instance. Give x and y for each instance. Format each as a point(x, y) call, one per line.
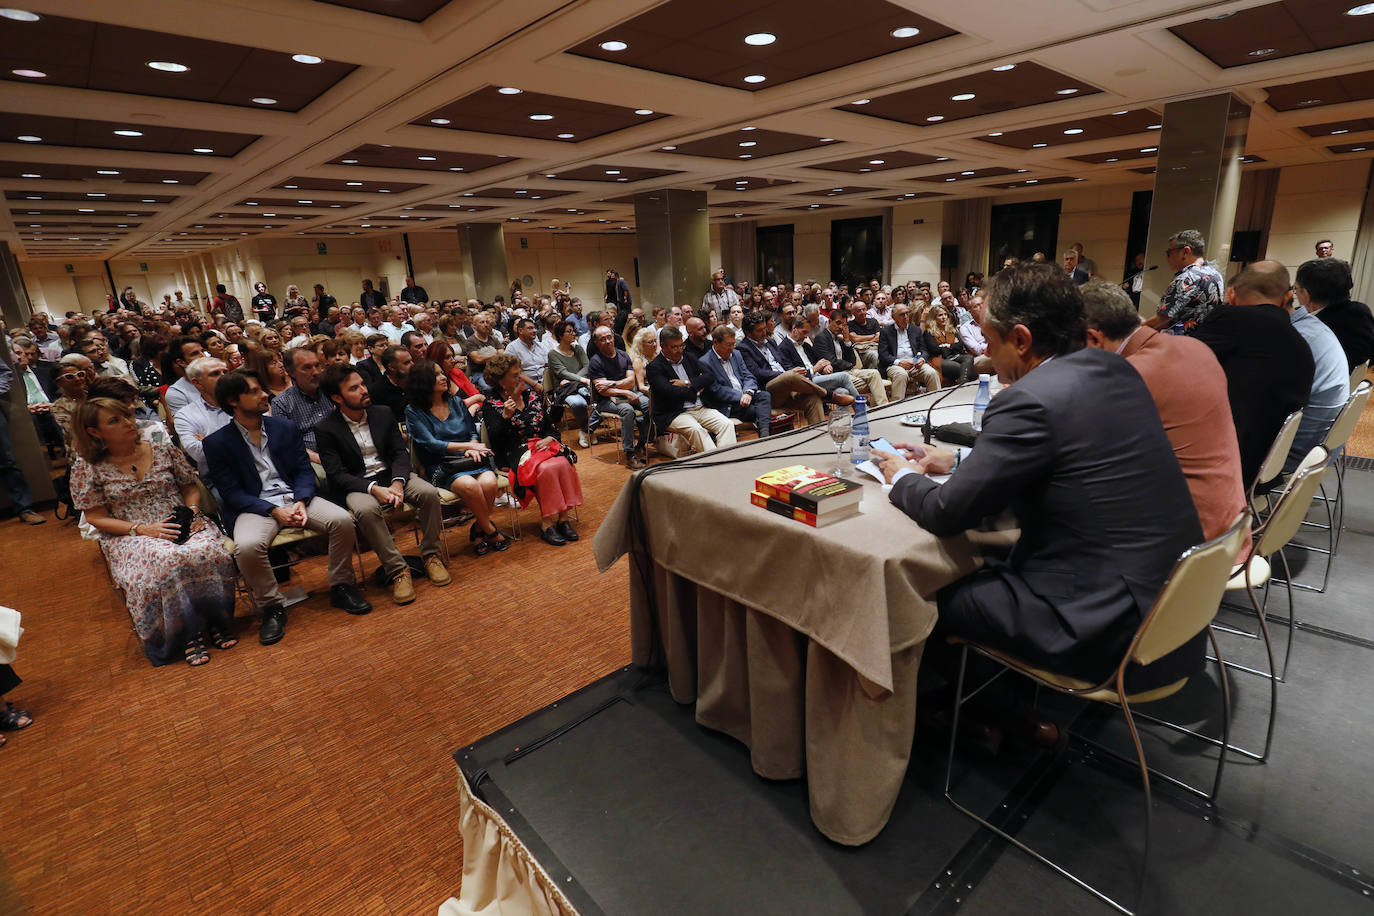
point(343, 459)
point(46, 373)
point(758, 365)
point(827, 346)
point(1103, 507)
point(235, 477)
point(720, 394)
point(921, 346)
point(1353, 326)
point(669, 399)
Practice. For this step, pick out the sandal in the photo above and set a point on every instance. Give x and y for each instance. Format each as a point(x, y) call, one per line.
point(221, 639)
point(496, 540)
point(481, 548)
point(196, 653)
point(9, 719)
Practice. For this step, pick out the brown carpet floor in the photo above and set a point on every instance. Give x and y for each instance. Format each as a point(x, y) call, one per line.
point(1362, 439)
point(310, 776)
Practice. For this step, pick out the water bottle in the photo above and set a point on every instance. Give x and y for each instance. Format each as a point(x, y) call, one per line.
point(980, 401)
point(858, 431)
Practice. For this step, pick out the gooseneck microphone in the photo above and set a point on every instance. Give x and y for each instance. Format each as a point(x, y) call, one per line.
point(929, 426)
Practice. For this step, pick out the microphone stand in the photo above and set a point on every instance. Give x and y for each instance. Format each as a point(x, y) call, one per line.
point(928, 428)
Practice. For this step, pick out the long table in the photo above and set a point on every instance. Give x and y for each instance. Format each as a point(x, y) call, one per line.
point(802, 643)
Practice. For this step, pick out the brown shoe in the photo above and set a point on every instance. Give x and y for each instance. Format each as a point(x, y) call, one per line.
point(402, 589)
point(434, 569)
point(634, 461)
point(841, 398)
point(30, 517)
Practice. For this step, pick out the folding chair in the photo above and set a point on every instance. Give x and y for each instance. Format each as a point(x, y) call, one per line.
point(1185, 606)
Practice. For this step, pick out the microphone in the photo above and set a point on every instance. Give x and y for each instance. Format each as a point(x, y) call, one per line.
point(928, 429)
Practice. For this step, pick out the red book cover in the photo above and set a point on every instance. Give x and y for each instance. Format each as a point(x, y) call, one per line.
point(809, 489)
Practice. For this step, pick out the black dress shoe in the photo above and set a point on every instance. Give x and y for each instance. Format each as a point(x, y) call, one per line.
point(273, 625)
point(551, 536)
point(349, 598)
point(566, 529)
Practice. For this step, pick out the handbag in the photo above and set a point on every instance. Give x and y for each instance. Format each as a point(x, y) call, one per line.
point(459, 465)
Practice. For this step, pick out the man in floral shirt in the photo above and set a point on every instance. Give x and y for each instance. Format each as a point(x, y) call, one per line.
point(1196, 289)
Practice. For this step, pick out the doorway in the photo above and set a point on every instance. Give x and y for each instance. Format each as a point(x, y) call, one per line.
point(775, 254)
point(856, 250)
point(1021, 230)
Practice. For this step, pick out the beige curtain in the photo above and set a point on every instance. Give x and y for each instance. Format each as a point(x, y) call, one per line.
point(1362, 258)
point(972, 224)
point(500, 875)
point(1255, 207)
point(739, 253)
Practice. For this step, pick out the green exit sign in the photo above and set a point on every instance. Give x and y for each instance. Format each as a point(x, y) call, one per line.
point(143, 265)
point(321, 248)
point(70, 268)
point(524, 242)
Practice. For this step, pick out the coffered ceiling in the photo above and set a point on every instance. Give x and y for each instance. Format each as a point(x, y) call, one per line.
point(163, 127)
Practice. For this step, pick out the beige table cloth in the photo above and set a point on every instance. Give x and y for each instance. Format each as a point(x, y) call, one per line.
point(802, 643)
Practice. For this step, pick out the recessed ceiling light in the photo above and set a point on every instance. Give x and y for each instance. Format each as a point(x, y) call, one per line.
point(334, 206)
point(613, 46)
point(34, 197)
point(644, 111)
point(428, 158)
point(30, 138)
point(755, 78)
point(1113, 159)
point(440, 121)
point(965, 173)
point(962, 97)
point(876, 161)
point(622, 179)
point(827, 139)
point(1364, 9)
point(147, 200)
point(758, 39)
point(1154, 127)
point(1073, 130)
point(349, 161)
point(517, 192)
point(263, 100)
point(128, 133)
point(353, 184)
point(94, 194)
point(951, 179)
point(1038, 145)
point(1343, 130)
point(1262, 52)
point(169, 181)
point(84, 210)
point(613, 171)
point(566, 136)
point(1066, 92)
point(906, 31)
point(541, 117)
point(509, 90)
point(1357, 149)
point(1120, 112)
point(865, 170)
point(1004, 68)
point(305, 201)
point(202, 149)
point(941, 158)
point(1032, 181)
point(1149, 149)
point(19, 15)
point(306, 58)
point(995, 133)
point(31, 74)
point(30, 175)
point(934, 118)
point(860, 101)
point(749, 143)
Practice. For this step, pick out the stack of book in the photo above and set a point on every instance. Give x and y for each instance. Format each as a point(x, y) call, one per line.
point(807, 495)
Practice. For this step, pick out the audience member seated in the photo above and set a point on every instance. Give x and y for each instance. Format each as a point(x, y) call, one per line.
point(1269, 367)
point(831, 343)
point(905, 353)
point(303, 403)
point(1323, 287)
point(676, 384)
point(389, 388)
point(863, 333)
point(568, 363)
point(446, 440)
point(789, 389)
point(265, 483)
point(181, 352)
point(39, 380)
point(1189, 390)
point(440, 352)
point(150, 427)
point(516, 417)
point(485, 341)
point(97, 349)
point(179, 584)
point(367, 463)
point(1330, 381)
point(938, 328)
point(642, 350)
point(533, 355)
point(1095, 545)
point(796, 354)
point(268, 366)
point(698, 337)
point(145, 368)
point(74, 375)
point(734, 391)
point(612, 377)
point(203, 416)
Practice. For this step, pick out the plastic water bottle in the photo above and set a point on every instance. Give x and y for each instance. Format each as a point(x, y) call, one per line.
point(859, 430)
point(980, 401)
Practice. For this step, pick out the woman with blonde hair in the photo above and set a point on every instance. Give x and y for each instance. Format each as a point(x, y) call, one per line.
point(632, 328)
point(642, 350)
point(956, 363)
point(169, 560)
point(295, 303)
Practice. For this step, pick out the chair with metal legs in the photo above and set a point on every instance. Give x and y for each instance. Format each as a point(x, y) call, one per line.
point(1184, 608)
point(1334, 441)
point(1272, 465)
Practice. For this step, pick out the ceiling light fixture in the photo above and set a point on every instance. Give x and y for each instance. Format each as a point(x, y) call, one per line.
point(440, 121)
point(1364, 9)
point(31, 74)
point(1149, 149)
point(19, 15)
point(962, 97)
point(1032, 181)
point(941, 158)
point(94, 194)
point(428, 158)
point(36, 175)
point(749, 143)
point(827, 139)
point(1066, 92)
point(566, 136)
point(263, 100)
point(934, 118)
point(305, 201)
point(541, 117)
point(165, 181)
point(759, 39)
point(306, 59)
point(30, 138)
point(965, 173)
point(613, 171)
point(995, 133)
point(860, 101)
point(1073, 131)
point(906, 31)
point(613, 46)
point(1038, 145)
point(1120, 112)
point(202, 149)
point(1261, 52)
point(755, 78)
point(1343, 130)
point(644, 111)
point(354, 184)
point(1004, 68)
point(167, 66)
point(128, 133)
point(1113, 159)
point(1154, 127)
point(876, 161)
point(349, 161)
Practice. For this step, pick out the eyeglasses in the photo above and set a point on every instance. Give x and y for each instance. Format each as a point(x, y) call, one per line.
point(1170, 250)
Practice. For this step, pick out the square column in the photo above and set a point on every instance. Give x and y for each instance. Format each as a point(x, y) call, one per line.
point(674, 241)
point(483, 246)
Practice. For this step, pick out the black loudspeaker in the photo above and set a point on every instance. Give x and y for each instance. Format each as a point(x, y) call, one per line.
point(949, 256)
point(1245, 245)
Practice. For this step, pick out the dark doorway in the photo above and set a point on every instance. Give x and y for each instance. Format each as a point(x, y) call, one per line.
point(775, 254)
point(856, 250)
point(1138, 234)
point(1020, 230)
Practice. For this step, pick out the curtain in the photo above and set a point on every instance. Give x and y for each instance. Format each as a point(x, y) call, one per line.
point(972, 231)
point(1362, 258)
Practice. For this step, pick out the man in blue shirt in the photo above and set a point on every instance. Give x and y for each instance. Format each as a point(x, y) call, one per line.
point(1330, 384)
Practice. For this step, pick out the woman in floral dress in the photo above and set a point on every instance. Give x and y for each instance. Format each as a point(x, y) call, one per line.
point(178, 594)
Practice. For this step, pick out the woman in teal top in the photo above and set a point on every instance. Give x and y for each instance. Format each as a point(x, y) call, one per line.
point(446, 441)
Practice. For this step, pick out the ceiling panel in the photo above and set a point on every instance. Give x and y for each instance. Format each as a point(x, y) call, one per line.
point(751, 183)
point(340, 184)
point(705, 39)
point(1327, 90)
point(50, 171)
point(749, 143)
point(1116, 155)
point(1349, 148)
point(985, 92)
point(1276, 30)
point(968, 174)
point(603, 172)
point(91, 55)
point(878, 162)
point(513, 112)
point(1080, 130)
point(912, 195)
point(414, 10)
point(1036, 182)
point(79, 132)
point(517, 193)
point(838, 191)
point(813, 207)
point(376, 155)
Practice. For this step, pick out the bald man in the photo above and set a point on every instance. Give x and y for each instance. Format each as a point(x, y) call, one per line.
point(1269, 367)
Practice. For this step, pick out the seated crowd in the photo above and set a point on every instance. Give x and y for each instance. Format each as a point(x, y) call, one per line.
point(186, 427)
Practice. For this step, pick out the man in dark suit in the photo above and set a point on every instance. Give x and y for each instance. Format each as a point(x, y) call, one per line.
point(1323, 285)
point(790, 390)
point(797, 353)
point(39, 379)
point(388, 387)
point(733, 390)
point(676, 384)
point(904, 353)
point(264, 481)
point(1269, 367)
point(367, 463)
point(1071, 269)
point(1096, 545)
point(831, 343)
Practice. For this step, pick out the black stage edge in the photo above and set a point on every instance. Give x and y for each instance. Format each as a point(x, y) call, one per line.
point(633, 808)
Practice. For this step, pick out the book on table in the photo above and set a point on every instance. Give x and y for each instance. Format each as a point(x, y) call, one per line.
point(814, 493)
point(815, 520)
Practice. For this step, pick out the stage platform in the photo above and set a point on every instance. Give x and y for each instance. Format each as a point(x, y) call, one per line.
point(633, 808)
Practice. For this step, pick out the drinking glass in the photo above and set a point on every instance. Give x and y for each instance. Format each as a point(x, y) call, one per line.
point(839, 427)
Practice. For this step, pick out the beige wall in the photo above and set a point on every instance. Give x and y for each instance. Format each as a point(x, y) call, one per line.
point(916, 248)
point(1315, 202)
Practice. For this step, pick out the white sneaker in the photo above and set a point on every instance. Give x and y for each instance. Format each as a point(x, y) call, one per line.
point(502, 501)
point(583, 440)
